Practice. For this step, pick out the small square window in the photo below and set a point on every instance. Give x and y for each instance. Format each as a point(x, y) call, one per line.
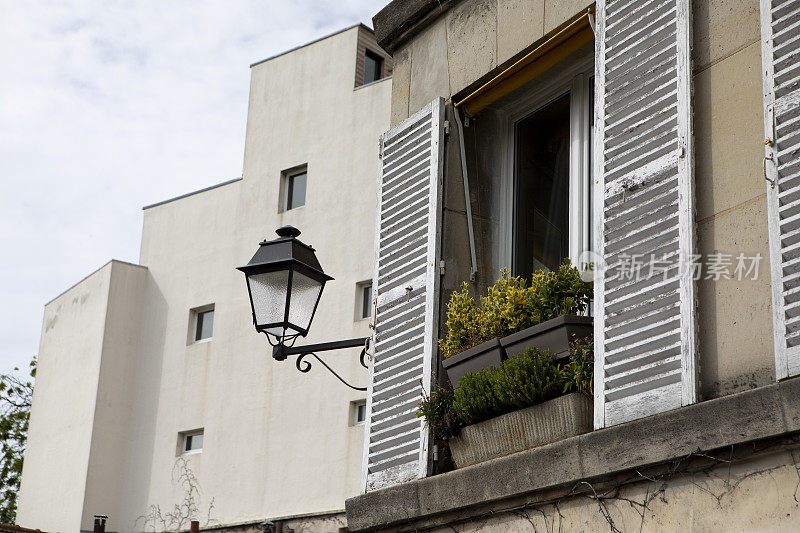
point(366, 300)
point(295, 190)
point(358, 412)
point(372, 67)
point(191, 442)
point(204, 325)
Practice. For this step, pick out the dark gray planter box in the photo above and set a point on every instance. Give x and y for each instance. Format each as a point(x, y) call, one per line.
point(551, 421)
point(554, 335)
point(485, 355)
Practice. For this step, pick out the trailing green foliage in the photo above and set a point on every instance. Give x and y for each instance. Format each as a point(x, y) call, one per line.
point(16, 394)
point(579, 373)
point(522, 381)
point(437, 409)
point(511, 305)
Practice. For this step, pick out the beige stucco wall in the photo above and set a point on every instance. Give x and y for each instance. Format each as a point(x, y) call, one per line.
point(116, 348)
point(277, 442)
point(475, 36)
point(78, 428)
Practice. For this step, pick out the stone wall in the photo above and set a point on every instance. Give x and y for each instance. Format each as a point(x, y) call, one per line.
point(475, 37)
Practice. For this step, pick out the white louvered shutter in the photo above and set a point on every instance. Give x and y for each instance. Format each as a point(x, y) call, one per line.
point(643, 204)
point(780, 56)
point(406, 288)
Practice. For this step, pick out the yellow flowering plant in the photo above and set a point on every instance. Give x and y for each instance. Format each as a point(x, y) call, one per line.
point(511, 305)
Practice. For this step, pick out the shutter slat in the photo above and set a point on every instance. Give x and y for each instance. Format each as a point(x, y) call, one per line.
point(780, 50)
point(405, 287)
point(645, 327)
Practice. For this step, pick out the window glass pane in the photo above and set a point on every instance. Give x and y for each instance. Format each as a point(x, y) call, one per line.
point(194, 442)
point(205, 325)
point(361, 412)
point(268, 291)
point(372, 68)
point(541, 218)
point(297, 191)
point(305, 293)
point(366, 301)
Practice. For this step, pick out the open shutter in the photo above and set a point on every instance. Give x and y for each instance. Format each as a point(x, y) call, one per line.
point(780, 56)
point(406, 288)
point(643, 208)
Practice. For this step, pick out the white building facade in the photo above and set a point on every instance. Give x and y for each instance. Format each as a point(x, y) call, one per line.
point(153, 386)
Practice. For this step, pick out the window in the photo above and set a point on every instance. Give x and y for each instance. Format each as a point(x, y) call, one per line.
point(205, 325)
point(358, 412)
point(364, 306)
point(372, 67)
point(548, 170)
point(191, 441)
point(294, 188)
point(201, 324)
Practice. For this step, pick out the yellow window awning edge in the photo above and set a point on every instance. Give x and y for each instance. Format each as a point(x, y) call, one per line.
point(573, 36)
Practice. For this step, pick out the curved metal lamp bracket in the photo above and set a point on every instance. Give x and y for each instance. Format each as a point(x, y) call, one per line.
point(281, 351)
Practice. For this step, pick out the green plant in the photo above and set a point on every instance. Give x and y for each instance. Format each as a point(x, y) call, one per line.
point(505, 308)
point(579, 372)
point(16, 395)
point(528, 379)
point(522, 381)
point(559, 292)
point(475, 399)
point(437, 409)
point(463, 323)
point(511, 305)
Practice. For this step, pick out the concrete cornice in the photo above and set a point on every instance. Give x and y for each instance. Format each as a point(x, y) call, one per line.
point(400, 20)
point(750, 416)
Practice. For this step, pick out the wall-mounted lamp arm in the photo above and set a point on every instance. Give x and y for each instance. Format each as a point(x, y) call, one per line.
point(280, 352)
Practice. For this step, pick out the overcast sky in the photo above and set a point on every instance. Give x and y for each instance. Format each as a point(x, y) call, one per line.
point(108, 106)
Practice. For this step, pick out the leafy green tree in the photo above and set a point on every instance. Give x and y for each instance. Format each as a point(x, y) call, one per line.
point(16, 394)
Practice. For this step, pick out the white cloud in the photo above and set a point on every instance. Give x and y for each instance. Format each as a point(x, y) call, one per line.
point(106, 106)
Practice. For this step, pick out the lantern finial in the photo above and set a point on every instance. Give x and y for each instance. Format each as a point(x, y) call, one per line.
point(287, 231)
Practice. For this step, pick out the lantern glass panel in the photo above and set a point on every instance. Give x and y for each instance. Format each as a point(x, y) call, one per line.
point(268, 291)
point(305, 293)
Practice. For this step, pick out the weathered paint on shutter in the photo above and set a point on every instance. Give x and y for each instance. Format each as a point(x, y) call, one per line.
point(406, 287)
point(780, 56)
point(644, 204)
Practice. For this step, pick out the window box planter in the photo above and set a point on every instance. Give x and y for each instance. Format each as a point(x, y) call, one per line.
point(554, 335)
point(475, 359)
point(551, 421)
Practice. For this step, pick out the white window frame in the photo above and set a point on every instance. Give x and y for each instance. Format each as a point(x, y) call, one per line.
point(287, 175)
point(183, 436)
point(354, 405)
point(360, 301)
point(194, 314)
point(573, 75)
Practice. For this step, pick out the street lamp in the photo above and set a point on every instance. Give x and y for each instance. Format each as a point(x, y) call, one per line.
point(285, 282)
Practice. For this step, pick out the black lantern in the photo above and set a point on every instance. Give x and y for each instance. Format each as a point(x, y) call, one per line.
point(285, 282)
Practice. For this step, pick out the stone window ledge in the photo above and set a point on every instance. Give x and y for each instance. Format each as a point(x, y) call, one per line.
point(533, 475)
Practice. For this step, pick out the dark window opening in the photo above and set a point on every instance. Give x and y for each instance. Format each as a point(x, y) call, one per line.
point(360, 415)
point(372, 67)
point(541, 218)
point(193, 442)
point(205, 325)
point(296, 190)
point(366, 301)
